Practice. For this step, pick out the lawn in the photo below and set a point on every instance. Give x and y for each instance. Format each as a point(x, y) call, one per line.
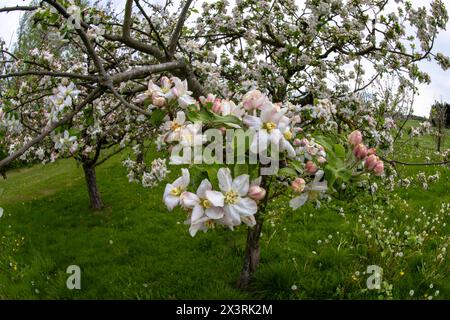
point(135, 249)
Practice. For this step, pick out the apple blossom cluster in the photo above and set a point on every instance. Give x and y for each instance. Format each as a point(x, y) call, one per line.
point(63, 98)
point(65, 143)
point(9, 123)
point(362, 153)
point(233, 203)
point(422, 129)
point(170, 90)
point(148, 177)
point(223, 198)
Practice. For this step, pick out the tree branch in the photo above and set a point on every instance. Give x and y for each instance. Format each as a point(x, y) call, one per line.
point(178, 28)
point(19, 8)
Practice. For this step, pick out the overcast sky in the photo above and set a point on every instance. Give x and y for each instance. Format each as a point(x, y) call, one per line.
point(439, 89)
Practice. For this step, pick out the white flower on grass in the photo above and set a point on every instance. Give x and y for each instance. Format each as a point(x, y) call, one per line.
point(1, 212)
point(173, 191)
point(237, 205)
point(311, 191)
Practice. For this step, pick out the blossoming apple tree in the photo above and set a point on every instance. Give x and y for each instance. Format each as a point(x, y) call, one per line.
point(288, 73)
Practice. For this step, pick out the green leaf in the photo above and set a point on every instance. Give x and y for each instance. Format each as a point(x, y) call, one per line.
point(339, 150)
point(198, 116)
point(157, 117)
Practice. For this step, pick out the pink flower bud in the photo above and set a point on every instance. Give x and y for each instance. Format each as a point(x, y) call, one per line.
point(371, 162)
point(311, 167)
point(298, 185)
point(253, 100)
point(321, 160)
point(256, 193)
point(159, 101)
point(217, 106)
point(355, 138)
point(371, 151)
point(379, 168)
point(360, 151)
point(297, 142)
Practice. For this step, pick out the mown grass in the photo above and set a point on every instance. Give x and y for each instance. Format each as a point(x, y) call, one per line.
point(135, 249)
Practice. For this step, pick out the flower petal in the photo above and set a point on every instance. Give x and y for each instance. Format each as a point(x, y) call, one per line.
point(189, 200)
point(181, 117)
point(215, 197)
point(245, 207)
point(214, 212)
point(171, 201)
point(241, 185)
point(232, 214)
point(204, 186)
point(299, 201)
point(224, 177)
point(197, 213)
point(252, 122)
point(197, 226)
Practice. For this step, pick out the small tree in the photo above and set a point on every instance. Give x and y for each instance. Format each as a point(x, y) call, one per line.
point(439, 114)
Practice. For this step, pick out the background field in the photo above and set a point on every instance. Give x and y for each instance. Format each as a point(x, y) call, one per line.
point(135, 249)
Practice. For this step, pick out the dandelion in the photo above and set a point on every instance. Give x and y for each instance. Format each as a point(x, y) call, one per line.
point(294, 287)
point(411, 292)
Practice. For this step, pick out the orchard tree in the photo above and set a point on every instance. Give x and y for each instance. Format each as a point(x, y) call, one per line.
point(439, 115)
point(289, 72)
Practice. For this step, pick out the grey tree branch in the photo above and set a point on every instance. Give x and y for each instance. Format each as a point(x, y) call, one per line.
point(178, 28)
point(19, 8)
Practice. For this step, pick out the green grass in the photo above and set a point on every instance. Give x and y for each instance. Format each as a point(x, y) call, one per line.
point(135, 249)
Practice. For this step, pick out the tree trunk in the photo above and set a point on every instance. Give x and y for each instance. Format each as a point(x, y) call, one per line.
point(252, 252)
point(440, 131)
point(91, 182)
point(140, 156)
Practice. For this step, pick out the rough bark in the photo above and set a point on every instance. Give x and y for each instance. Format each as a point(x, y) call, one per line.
point(91, 182)
point(252, 253)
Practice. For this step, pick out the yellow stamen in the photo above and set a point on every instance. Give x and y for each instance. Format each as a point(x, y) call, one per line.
point(231, 197)
point(176, 191)
point(206, 203)
point(174, 125)
point(287, 135)
point(269, 126)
